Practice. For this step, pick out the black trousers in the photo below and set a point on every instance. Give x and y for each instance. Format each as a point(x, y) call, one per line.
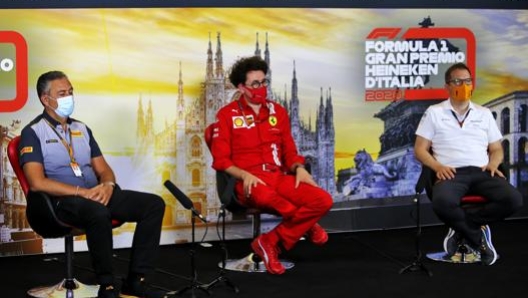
point(502, 201)
point(96, 219)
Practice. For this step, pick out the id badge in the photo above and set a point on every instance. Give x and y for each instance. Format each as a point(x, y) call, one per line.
point(76, 169)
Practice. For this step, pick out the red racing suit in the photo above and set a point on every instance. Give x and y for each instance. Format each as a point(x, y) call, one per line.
point(263, 145)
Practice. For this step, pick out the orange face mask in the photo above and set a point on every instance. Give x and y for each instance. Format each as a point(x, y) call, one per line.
point(462, 92)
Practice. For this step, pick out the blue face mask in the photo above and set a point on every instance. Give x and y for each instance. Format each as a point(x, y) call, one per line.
point(65, 106)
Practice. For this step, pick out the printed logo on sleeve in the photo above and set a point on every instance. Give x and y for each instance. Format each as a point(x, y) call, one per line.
point(76, 133)
point(28, 149)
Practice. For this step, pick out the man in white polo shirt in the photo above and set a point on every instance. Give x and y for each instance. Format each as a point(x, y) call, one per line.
point(466, 153)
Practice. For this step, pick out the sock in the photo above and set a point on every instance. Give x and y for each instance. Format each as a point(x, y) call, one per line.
point(135, 276)
point(106, 287)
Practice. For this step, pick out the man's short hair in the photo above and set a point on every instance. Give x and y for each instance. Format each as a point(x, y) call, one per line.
point(454, 67)
point(43, 82)
point(245, 65)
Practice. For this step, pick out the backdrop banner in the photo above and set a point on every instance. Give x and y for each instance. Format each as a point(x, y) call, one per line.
point(355, 81)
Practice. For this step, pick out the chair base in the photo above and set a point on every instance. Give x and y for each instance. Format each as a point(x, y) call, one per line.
point(457, 258)
point(247, 264)
point(59, 290)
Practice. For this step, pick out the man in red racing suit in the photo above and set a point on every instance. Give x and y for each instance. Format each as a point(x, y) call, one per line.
point(252, 141)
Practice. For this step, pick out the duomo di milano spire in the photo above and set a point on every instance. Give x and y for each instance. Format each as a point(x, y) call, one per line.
point(182, 142)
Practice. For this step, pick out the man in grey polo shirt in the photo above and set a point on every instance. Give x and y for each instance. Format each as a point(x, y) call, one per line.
point(466, 154)
point(60, 157)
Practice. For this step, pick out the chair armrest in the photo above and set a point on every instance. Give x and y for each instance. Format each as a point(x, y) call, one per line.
point(427, 178)
point(225, 185)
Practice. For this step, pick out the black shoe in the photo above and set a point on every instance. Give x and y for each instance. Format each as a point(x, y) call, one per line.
point(107, 292)
point(452, 241)
point(138, 288)
point(488, 255)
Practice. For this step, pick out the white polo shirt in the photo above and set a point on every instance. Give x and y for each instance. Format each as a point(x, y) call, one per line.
point(459, 145)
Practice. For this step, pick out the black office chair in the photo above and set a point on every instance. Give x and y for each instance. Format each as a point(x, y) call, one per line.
point(43, 220)
point(225, 185)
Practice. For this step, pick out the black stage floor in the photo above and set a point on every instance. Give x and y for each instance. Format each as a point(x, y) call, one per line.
point(353, 264)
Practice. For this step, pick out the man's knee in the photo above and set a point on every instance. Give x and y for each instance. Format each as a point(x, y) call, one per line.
point(99, 214)
point(326, 202)
point(442, 205)
point(157, 204)
point(321, 201)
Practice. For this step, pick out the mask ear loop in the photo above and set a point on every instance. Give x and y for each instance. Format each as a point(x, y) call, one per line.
point(48, 101)
point(245, 92)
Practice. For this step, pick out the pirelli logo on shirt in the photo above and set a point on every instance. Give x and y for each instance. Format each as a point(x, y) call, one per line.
point(76, 133)
point(24, 150)
point(238, 121)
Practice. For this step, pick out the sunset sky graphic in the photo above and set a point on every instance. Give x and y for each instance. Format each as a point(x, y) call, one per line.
point(115, 56)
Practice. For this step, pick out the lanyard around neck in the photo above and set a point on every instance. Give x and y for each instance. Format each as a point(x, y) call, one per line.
point(460, 123)
point(68, 146)
point(246, 120)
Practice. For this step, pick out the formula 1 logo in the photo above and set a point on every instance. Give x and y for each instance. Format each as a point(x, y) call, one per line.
point(14, 65)
point(404, 67)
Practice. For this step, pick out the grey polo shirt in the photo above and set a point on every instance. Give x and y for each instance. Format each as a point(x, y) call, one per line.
point(41, 143)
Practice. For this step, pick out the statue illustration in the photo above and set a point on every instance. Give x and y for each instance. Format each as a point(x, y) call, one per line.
point(368, 172)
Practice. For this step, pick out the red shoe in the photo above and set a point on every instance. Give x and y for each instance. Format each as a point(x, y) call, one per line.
point(269, 254)
point(317, 235)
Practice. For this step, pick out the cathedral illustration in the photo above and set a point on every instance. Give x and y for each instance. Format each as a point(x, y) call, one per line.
point(181, 155)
